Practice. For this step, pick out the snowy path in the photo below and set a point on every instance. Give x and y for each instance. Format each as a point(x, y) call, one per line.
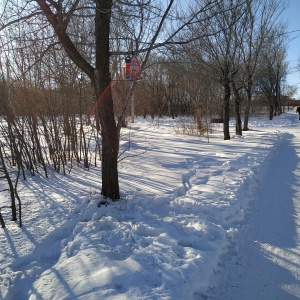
point(267, 266)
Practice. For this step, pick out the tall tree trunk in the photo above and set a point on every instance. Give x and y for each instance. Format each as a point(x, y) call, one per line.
point(110, 142)
point(271, 111)
point(237, 103)
point(226, 111)
point(247, 108)
point(109, 133)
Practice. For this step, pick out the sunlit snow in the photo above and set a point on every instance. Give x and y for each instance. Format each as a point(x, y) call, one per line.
point(185, 203)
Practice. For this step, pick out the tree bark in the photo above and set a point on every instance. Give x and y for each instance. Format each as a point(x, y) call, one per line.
point(110, 142)
point(226, 112)
point(237, 101)
point(109, 132)
point(247, 107)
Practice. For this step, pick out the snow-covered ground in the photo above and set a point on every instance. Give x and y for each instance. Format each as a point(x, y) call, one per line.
point(188, 209)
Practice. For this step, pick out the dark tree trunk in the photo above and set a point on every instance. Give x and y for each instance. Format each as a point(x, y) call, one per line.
point(237, 103)
point(247, 109)
point(226, 112)
point(271, 112)
point(276, 106)
point(110, 144)
point(109, 132)
point(238, 126)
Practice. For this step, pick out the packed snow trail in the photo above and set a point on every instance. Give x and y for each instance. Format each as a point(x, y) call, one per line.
point(267, 263)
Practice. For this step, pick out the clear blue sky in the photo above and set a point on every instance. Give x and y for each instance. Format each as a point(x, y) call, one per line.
point(292, 16)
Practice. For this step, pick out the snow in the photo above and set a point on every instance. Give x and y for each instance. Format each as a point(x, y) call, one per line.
point(267, 265)
point(191, 214)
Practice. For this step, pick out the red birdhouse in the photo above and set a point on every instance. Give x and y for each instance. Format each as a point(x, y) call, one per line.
point(132, 68)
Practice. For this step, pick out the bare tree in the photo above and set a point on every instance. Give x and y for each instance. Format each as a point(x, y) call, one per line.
point(273, 71)
point(262, 18)
point(219, 51)
point(59, 14)
point(143, 39)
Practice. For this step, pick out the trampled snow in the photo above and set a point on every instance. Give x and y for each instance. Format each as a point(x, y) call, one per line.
point(185, 203)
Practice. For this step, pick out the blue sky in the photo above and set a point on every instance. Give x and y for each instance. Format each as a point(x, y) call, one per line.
point(292, 16)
